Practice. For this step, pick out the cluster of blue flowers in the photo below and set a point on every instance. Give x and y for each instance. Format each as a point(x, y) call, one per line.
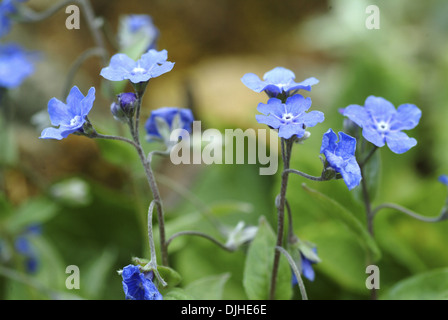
point(71, 117)
point(287, 112)
point(15, 63)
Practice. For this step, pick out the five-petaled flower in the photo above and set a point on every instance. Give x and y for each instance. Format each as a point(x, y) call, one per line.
point(290, 118)
point(138, 285)
point(340, 156)
point(71, 117)
point(161, 122)
point(277, 81)
point(381, 123)
point(151, 65)
point(15, 65)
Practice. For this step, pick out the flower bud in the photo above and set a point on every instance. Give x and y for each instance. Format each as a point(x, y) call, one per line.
point(124, 108)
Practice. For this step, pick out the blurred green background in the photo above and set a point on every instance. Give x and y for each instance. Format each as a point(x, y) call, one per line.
point(91, 197)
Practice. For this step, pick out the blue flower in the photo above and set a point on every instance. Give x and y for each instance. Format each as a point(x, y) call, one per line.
point(7, 8)
point(151, 65)
point(137, 29)
point(70, 117)
point(138, 285)
point(381, 123)
point(24, 247)
point(306, 268)
point(444, 179)
point(167, 114)
point(290, 118)
point(277, 81)
point(15, 66)
point(340, 156)
point(143, 23)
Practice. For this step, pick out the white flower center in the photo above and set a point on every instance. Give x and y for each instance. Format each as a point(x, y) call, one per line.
point(76, 120)
point(382, 126)
point(138, 70)
point(288, 117)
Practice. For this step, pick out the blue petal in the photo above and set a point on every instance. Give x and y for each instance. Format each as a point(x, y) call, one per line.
point(307, 269)
point(329, 141)
point(74, 100)
point(163, 68)
point(273, 106)
point(347, 146)
point(351, 173)
point(399, 142)
point(297, 104)
point(407, 117)
point(312, 118)
point(373, 136)
point(87, 102)
point(304, 85)
point(51, 133)
point(357, 114)
point(279, 75)
point(139, 77)
point(269, 120)
point(59, 112)
point(380, 108)
point(253, 82)
point(119, 68)
point(152, 57)
point(289, 130)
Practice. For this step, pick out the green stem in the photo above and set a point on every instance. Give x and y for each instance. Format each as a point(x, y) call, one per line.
point(28, 15)
point(92, 52)
point(296, 271)
point(94, 27)
point(442, 216)
point(202, 235)
point(303, 174)
point(153, 261)
point(286, 146)
point(369, 216)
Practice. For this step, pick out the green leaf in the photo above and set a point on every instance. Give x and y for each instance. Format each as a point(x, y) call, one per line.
point(431, 285)
point(94, 278)
point(171, 277)
point(34, 211)
point(335, 210)
point(258, 267)
point(228, 207)
point(342, 256)
point(8, 145)
point(177, 294)
point(209, 288)
point(51, 267)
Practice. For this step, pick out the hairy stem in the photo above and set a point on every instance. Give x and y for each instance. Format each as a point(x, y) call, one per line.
point(369, 216)
point(303, 174)
point(442, 216)
point(296, 271)
point(199, 234)
point(286, 146)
